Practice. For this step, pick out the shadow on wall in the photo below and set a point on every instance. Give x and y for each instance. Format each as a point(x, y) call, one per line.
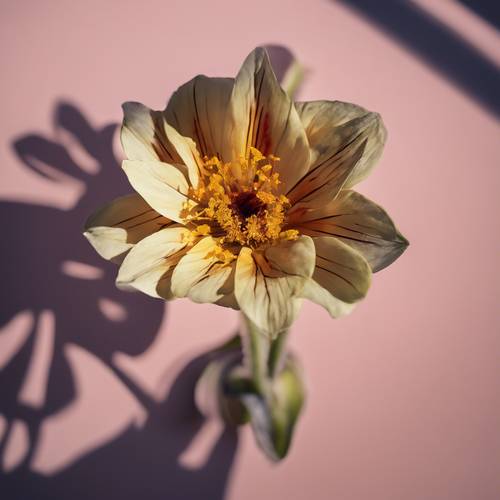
point(439, 46)
point(63, 326)
point(489, 10)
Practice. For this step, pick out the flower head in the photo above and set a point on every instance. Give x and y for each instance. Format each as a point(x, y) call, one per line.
point(244, 199)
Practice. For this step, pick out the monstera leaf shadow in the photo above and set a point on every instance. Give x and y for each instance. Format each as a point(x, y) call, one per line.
point(54, 283)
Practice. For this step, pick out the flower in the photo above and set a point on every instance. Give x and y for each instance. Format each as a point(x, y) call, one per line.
point(245, 200)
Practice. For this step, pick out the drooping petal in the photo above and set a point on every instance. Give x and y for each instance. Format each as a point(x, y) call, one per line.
point(163, 186)
point(146, 135)
point(262, 115)
point(198, 110)
point(200, 274)
point(357, 221)
point(314, 292)
point(268, 285)
point(148, 266)
point(331, 127)
point(342, 271)
point(115, 228)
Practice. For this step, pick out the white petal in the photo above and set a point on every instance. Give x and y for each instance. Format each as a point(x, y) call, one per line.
point(294, 257)
point(148, 266)
point(163, 186)
point(268, 288)
point(334, 126)
point(200, 275)
point(358, 222)
point(262, 115)
point(115, 228)
point(146, 135)
point(323, 182)
point(341, 270)
point(198, 110)
point(314, 292)
point(141, 134)
point(186, 149)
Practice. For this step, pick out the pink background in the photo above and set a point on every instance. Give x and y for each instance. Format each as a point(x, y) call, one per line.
point(404, 398)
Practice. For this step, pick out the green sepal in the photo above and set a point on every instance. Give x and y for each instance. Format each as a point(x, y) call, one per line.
point(274, 413)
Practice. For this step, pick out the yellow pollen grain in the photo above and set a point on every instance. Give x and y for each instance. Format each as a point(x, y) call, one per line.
point(202, 230)
point(221, 254)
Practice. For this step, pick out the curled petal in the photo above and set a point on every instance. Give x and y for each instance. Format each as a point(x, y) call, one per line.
point(148, 266)
point(331, 127)
point(115, 228)
point(314, 292)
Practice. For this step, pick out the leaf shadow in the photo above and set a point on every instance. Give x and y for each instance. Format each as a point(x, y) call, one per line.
point(38, 241)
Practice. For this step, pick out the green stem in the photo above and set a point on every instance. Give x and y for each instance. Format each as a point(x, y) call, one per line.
point(263, 357)
point(277, 352)
point(255, 351)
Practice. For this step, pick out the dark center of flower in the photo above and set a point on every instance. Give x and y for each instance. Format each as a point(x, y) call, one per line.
point(246, 204)
point(239, 202)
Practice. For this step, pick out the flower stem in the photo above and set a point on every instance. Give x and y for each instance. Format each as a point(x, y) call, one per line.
point(255, 352)
point(263, 356)
point(277, 352)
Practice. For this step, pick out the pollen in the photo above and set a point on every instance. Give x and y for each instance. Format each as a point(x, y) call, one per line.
point(238, 203)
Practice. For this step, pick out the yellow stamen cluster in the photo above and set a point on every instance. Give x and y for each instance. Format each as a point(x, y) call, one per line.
point(238, 202)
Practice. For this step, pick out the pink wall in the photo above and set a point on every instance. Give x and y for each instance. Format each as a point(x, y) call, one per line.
point(404, 401)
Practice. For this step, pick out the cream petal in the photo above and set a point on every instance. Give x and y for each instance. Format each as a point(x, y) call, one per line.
point(148, 266)
point(115, 228)
point(228, 298)
point(357, 221)
point(198, 110)
point(186, 149)
point(341, 270)
point(271, 303)
point(146, 135)
point(163, 186)
point(262, 115)
point(268, 285)
point(200, 274)
point(333, 126)
point(293, 257)
point(314, 292)
point(318, 115)
point(324, 182)
point(143, 136)
point(362, 224)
